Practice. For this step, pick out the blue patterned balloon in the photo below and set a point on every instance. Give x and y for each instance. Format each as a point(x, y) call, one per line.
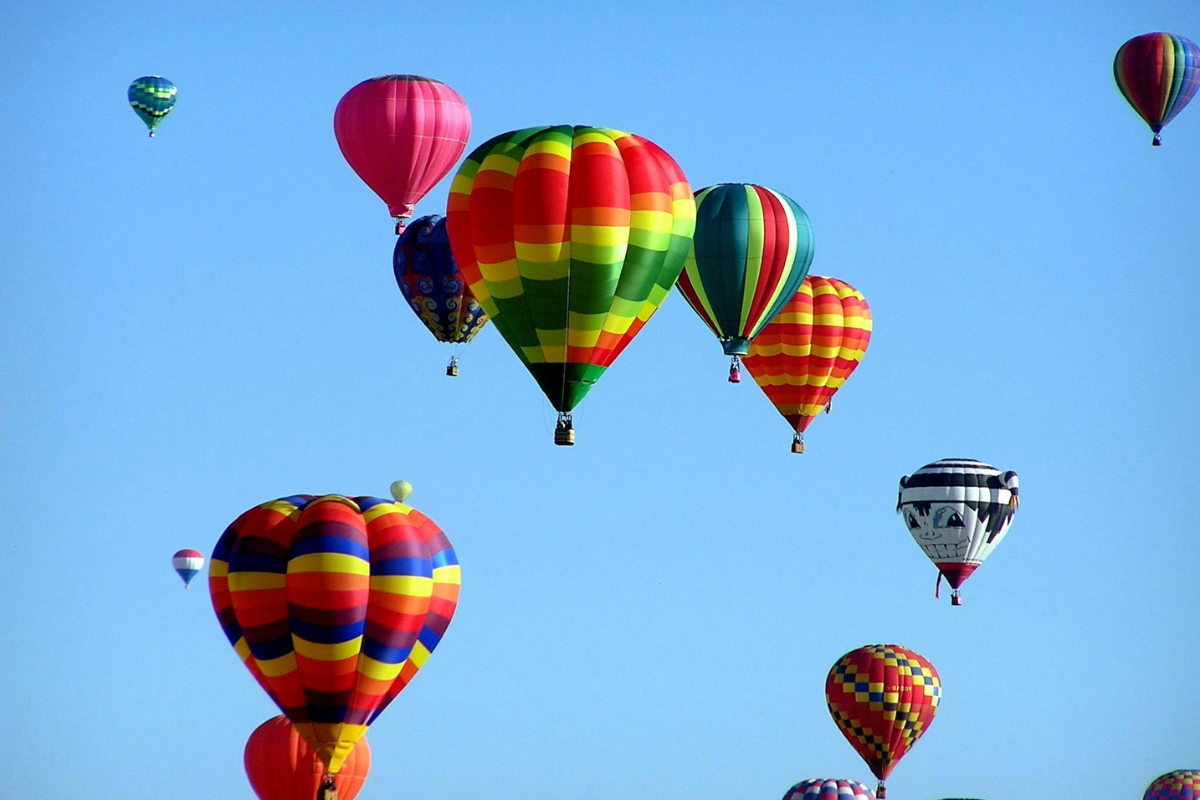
point(829, 789)
point(152, 98)
point(432, 283)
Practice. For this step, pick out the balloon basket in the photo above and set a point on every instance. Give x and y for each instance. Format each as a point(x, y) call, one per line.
point(152, 136)
point(399, 227)
point(955, 598)
point(1156, 143)
point(564, 431)
point(797, 444)
point(328, 790)
point(881, 792)
point(735, 371)
point(452, 367)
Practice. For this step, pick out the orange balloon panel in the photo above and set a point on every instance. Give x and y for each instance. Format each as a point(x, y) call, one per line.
point(808, 351)
point(281, 765)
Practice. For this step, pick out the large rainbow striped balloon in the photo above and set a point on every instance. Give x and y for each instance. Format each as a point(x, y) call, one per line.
point(808, 351)
point(333, 603)
point(1158, 73)
point(570, 238)
point(752, 248)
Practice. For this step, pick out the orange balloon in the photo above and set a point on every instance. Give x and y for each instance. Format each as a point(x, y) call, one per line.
point(281, 765)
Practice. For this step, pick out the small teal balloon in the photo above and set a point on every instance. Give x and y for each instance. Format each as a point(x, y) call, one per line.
point(152, 98)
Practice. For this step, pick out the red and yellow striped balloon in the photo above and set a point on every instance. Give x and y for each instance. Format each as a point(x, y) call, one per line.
point(333, 603)
point(808, 351)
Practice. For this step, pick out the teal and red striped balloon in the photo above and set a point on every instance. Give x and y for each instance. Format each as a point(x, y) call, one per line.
point(1158, 73)
point(333, 603)
point(750, 253)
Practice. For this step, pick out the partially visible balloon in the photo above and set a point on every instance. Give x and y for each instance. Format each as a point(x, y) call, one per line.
point(152, 98)
point(333, 603)
point(1158, 73)
point(1182, 784)
point(571, 238)
point(829, 789)
point(434, 286)
point(401, 134)
point(281, 765)
point(808, 351)
point(883, 698)
point(187, 563)
point(751, 250)
point(958, 510)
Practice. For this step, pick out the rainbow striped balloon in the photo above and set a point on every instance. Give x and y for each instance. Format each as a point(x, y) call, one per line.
point(752, 248)
point(570, 238)
point(808, 351)
point(1158, 73)
point(333, 603)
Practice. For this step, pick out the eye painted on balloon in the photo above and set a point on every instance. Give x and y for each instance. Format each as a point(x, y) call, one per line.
point(947, 517)
point(912, 522)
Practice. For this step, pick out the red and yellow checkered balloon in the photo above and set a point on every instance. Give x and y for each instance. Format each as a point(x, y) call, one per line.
point(808, 351)
point(883, 698)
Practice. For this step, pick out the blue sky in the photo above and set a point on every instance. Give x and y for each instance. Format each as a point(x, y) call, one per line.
point(199, 323)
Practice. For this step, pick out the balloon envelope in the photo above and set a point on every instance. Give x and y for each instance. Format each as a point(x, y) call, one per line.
point(829, 789)
point(1182, 784)
point(333, 603)
point(751, 250)
point(152, 98)
point(433, 284)
point(187, 563)
point(1158, 73)
point(958, 510)
point(804, 355)
point(401, 134)
point(281, 765)
point(883, 698)
point(570, 237)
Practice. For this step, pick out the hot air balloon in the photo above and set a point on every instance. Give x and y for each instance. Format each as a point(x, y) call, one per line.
point(829, 789)
point(1158, 73)
point(751, 251)
point(883, 698)
point(434, 286)
point(152, 98)
point(187, 563)
point(281, 765)
point(1182, 784)
point(957, 510)
point(333, 603)
point(401, 134)
point(805, 354)
point(570, 237)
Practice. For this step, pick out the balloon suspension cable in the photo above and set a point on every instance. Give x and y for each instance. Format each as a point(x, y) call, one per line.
point(1157, 140)
point(735, 370)
point(564, 431)
point(955, 598)
point(798, 442)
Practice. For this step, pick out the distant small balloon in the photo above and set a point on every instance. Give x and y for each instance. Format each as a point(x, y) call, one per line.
point(401, 490)
point(152, 98)
point(187, 563)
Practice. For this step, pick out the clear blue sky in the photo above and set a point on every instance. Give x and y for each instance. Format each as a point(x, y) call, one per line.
point(196, 324)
